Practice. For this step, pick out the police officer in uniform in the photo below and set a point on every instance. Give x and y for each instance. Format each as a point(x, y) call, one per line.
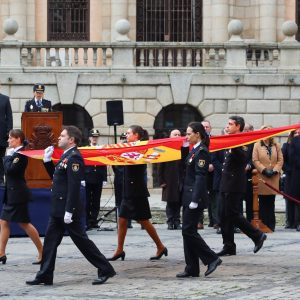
point(38, 103)
point(193, 200)
point(65, 210)
point(233, 189)
point(95, 178)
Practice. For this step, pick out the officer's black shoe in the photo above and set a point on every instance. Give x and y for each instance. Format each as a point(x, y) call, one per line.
point(170, 226)
point(38, 281)
point(177, 226)
point(213, 266)
point(298, 228)
point(227, 252)
point(259, 243)
point(102, 278)
point(185, 274)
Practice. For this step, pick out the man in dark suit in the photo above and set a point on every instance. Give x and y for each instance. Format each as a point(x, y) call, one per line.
point(6, 124)
point(233, 189)
point(38, 103)
point(65, 210)
point(95, 178)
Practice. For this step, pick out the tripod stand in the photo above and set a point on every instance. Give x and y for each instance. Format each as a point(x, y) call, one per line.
point(114, 209)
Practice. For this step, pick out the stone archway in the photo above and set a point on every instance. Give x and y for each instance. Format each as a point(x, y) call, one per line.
point(175, 116)
point(74, 114)
point(170, 117)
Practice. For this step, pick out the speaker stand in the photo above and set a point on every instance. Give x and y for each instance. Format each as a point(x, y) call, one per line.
point(114, 209)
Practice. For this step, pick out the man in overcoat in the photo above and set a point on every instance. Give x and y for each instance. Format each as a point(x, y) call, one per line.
point(6, 124)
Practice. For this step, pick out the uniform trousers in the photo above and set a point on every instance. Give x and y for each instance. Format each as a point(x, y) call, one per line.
point(232, 217)
point(173, 212)
point(93, 196)
point(193, 244)
point(267, 210)
point(249, 201)
point(2, 154)
point(53, 238)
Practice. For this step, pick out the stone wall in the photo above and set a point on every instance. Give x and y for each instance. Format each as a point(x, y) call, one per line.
point(260, 98)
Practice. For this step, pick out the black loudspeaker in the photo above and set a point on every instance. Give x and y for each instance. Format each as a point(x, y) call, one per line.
point(114, 110)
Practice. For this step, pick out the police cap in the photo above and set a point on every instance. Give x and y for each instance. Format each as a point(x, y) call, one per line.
point(94, 133)
point(39, 88)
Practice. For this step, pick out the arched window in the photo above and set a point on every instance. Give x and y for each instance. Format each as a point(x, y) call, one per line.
point(76, 115)
point(68, 20)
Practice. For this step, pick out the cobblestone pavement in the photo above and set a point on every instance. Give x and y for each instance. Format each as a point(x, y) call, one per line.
point(272, 273)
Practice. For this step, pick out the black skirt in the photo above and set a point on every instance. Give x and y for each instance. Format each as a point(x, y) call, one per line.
point(15, 213)
point(136, 208)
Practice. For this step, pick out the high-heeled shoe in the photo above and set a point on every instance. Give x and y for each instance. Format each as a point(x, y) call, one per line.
point(164, 252)
point(3, 259)
point(38, 262)
point(115, 257)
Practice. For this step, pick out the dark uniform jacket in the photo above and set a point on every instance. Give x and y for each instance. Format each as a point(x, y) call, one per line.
point(286, 168)
point(95, 174)
point(233, 173)
point(6, 120)
point(16, 190)
point(217, 161)
point(294, 161)
point(31, 106)
point(135, 183)
point(195, 187)
point(66, 175)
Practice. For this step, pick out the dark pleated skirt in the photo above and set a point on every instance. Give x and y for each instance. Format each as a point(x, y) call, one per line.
point(15, 213)
point(136, 208)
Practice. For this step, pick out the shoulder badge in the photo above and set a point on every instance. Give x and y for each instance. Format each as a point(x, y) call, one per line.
point(201, 163)
point(16, 160)
point(75, 167)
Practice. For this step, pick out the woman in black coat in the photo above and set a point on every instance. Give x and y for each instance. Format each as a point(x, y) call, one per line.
point(193, 200)
point(16, 195)
point(135, 204)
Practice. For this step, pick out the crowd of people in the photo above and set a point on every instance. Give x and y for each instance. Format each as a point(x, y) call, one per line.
point(219, 181)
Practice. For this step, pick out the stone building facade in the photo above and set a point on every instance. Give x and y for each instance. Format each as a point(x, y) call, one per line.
point(262, 19)
point(250, 70)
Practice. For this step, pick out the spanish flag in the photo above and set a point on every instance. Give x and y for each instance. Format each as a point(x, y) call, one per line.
point(161, 150)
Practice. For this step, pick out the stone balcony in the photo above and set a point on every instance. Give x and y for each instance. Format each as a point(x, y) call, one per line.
point(234, 56)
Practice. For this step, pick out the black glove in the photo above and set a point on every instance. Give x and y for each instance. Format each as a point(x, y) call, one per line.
point(267, 172)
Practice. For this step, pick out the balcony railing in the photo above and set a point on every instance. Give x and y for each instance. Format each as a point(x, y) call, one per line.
point(88, 55)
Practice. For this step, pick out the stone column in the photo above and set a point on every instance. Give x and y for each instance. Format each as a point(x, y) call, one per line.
point(18, 11)
point(206, 22)
point(119, 10)
point(220, 17)
point(268, 21)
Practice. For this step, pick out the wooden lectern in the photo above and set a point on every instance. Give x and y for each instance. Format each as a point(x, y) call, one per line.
point(256, 221)
point(41, 129)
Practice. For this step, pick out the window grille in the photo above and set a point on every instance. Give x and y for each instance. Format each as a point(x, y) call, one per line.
point(169, 20)
point(298, 19)
point(68, 20)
